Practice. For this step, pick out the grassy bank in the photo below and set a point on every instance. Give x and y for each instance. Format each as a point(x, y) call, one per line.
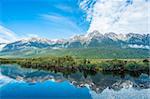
point(68, 63)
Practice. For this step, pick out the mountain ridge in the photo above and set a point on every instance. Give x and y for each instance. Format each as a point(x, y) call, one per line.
point(92, 39)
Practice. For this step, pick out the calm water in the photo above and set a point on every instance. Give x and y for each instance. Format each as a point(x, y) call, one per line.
point(19, 83)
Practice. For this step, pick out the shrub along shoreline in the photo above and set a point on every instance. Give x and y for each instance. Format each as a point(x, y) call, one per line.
point(70, 64)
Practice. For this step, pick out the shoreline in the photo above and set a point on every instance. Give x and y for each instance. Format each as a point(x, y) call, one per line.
point(68, 63)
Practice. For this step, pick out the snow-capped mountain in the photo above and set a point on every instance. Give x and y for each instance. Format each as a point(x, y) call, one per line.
point(29, 43)
point(93, 39)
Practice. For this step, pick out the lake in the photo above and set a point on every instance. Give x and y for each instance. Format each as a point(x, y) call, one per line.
point(21, 83)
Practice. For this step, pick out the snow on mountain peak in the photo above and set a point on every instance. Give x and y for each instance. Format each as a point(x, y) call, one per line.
point(115, 36)
point(41, 40)
point(94, 38)
point(35, 39)
point(93, 34)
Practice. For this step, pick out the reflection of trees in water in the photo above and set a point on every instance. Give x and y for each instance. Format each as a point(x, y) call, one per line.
point(95, 81)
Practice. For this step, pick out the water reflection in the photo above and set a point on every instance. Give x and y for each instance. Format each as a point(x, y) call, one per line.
point(97, 83)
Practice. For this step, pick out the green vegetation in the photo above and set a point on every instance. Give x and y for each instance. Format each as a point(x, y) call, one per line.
point(120, 65)
point(89, 53)
point(70, 64)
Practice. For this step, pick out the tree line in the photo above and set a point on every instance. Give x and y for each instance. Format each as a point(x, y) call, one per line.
point(68, 63)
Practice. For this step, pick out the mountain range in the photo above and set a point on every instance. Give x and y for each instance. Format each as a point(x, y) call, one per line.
point(90, 45)
point(93, 39)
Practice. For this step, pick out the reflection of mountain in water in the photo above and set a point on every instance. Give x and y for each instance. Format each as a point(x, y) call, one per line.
point(97, 82)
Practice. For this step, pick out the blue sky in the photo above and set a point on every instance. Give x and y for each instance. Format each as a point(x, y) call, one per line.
point(55, 19)
point(46, 18)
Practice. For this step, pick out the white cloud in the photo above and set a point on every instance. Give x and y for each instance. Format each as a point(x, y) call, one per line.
point(87, 5)
point(59, 21)
point(6, 35)
point(120, 16)
point(64, 7)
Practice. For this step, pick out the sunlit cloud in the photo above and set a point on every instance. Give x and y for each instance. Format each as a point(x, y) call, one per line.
point(120, 16)
point(6, 35)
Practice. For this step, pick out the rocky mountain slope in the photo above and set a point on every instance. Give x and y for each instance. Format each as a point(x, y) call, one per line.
point(93, 39)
